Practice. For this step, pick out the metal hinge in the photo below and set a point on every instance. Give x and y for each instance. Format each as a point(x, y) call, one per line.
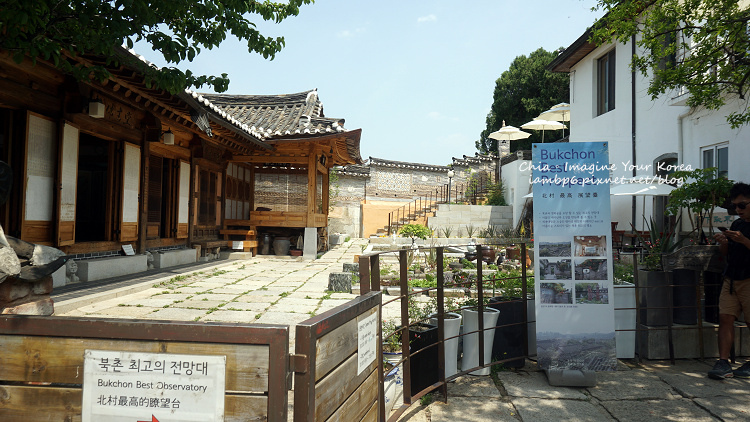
point(298, 363)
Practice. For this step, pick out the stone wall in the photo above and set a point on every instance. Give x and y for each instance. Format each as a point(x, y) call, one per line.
point(363, 196)
point(458, 217)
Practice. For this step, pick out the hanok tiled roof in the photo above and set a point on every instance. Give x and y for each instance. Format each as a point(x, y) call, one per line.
point(354, 170)
point(200, 104)
point(403, 164)
point(477, 158)
point(279, 116)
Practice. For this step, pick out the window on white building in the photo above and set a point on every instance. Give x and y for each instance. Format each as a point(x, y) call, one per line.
point(716, 156)
point(605, 83)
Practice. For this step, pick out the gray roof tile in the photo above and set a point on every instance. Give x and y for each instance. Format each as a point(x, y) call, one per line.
point(279, 116)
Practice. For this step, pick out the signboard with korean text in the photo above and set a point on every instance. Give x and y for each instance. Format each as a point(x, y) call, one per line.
point(573, 264)
point(134, 387)
point(367, 335)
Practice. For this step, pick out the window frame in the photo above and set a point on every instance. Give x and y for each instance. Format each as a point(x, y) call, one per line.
point(605, 82)
point(714, 150)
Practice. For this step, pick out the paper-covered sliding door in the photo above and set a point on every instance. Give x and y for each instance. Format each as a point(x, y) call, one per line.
point(131, 183)
point(39, 179)
point(68, 174)
point(183, 200)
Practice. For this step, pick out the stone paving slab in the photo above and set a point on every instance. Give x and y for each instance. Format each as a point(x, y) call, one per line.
point(294, 301)
point(283, 318)
point(124, 312)
point(246, 306)
point(535, 384)
point(641, 385)
point(532, 409)
point(199, 304)
point(652, 410)
point(154, 303)
point(187, 290)
point(207, 286)
point(230, 290)
point(171, 295)
point(215, 296)
point(472, 409)
point(689, 379)
point(177, 314)
point(472, 386)
point(296, 309)
point(231, 316)
point(252, 297)
point(729, 409)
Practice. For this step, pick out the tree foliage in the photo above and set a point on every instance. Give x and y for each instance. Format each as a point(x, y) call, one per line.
point(59, 31)
point(522, 92)
point(700, 46)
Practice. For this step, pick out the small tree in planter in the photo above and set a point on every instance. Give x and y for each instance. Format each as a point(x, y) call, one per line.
point(706, 192)
point(415, 231)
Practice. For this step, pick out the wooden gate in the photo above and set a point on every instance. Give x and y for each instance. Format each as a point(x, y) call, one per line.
point(336, 376)
point(42, 361)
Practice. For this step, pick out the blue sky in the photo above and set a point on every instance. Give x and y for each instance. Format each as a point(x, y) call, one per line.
point(417, 76)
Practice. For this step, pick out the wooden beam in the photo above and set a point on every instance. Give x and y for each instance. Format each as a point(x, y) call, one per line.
point(259, 159)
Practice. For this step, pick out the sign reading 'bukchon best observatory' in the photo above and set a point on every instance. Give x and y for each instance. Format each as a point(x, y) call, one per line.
point(131, 387)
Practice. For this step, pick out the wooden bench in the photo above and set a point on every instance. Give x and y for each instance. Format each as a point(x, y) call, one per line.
point(241, 230)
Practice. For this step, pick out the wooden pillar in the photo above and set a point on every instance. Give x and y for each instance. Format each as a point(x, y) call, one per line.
point(312, 172)
point(143, 205)
point(191, 199)
point(252, 188)
point(326, 191)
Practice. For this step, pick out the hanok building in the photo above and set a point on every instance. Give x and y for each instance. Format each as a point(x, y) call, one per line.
point(99, 165)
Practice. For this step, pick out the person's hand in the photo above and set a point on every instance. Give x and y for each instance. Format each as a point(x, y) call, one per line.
point(737, 236)
point(721, 238)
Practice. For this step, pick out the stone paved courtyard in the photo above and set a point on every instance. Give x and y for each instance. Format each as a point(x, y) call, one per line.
point(265, 289)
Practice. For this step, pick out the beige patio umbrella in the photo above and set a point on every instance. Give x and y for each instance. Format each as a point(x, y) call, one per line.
point(539, 124)
point(509, 133)
point(559, 113)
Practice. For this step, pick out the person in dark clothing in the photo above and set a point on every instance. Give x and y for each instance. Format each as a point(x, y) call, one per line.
point(735, 292)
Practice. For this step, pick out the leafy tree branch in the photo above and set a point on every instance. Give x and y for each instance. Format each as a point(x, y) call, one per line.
point(699, 47)
point(62, 31)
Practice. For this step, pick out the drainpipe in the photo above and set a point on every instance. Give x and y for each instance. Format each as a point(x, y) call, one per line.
point(632, 127)
point(681, 147)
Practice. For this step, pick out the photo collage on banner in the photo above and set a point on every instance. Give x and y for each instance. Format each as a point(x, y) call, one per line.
point(573, 265)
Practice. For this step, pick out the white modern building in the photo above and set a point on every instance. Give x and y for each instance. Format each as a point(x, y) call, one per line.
point(609, 102)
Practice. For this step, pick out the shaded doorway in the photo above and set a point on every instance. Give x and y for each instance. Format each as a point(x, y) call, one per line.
point(93, 183)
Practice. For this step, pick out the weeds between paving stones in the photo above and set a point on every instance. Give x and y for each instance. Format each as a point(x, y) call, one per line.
point(426, 400)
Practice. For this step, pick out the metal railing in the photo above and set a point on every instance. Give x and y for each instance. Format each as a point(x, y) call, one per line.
point(466, 192)
point(477, 286)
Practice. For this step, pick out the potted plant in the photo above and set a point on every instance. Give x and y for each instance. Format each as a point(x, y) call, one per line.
point(701, 196)
point(624, 302)
point(706, 192)
point(470, 314)
point(414, 231)
point(451, 328)
point(512, 323)
point(393, 370)
point(653, 281)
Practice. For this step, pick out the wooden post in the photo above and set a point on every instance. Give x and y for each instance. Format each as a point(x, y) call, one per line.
point(312, 171)
point(143, 210)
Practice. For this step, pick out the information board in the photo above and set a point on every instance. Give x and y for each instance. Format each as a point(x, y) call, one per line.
point(367, 334)
point(134, 387)
point(573, 264)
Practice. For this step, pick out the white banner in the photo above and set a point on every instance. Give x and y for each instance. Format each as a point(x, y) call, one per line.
point(573, 265)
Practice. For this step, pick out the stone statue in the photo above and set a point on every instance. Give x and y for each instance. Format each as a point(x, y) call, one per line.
point(149, 260)
point(71, 268)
